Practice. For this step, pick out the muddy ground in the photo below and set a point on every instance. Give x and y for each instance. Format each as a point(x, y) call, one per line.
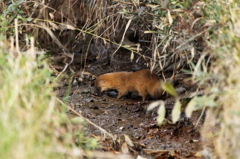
point(129, 116)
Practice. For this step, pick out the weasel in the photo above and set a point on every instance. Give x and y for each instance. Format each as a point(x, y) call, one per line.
point(146, 83)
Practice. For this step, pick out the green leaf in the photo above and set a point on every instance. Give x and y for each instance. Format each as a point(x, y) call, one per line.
point(66, 98)
point(168, 87)
point(155, 104)
point(176, 111)
point(19, 17)
point(132, 56)
point(204, 101)
point(198, 103)
point(29, 19)
point(161, 114)
point(190, 108)
point(20, 2)
point(77, 120)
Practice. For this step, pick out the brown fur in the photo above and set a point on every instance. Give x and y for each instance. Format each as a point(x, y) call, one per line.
point(144, 82)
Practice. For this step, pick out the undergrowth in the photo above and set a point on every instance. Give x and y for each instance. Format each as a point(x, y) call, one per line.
point(178, 34)
point(225, 72)
point(33, 123)
point(30, 119)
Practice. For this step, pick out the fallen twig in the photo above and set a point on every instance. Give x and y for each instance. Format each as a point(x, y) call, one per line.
point(200, 117)
point(66, 66)
point(89, 121)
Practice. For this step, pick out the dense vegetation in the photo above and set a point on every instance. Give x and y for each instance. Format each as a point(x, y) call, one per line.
point(201, 37)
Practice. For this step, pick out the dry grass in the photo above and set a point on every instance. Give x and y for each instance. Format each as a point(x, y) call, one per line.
point(31, 122)
point(169, 35)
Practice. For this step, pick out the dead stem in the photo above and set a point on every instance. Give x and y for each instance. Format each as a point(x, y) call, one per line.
point(66, 66)
point(89, 121)
point(126, 28)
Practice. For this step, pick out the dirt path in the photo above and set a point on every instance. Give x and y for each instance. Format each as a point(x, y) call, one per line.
point(130, 117)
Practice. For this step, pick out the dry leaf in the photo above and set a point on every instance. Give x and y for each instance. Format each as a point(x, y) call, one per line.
point(128, 140)
point(140, 157)
point(124, 148)
point(198, 154)
point(51, 15)
point(55, 26)
point(170, 17)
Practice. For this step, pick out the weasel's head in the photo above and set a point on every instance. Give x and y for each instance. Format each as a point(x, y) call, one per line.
point(101, 85)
